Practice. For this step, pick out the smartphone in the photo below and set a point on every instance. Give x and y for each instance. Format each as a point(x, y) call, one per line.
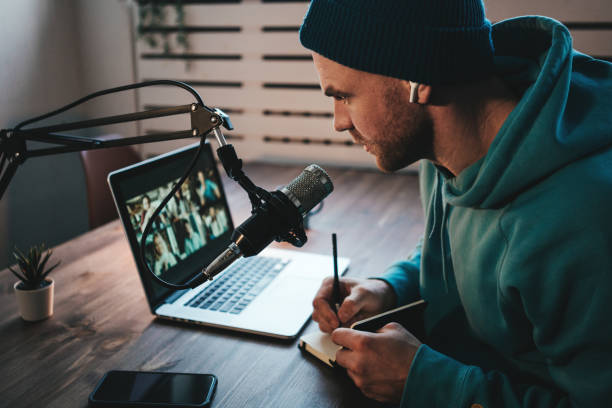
point(153, 389)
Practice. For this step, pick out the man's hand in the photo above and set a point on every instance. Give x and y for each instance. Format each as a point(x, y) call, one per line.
point(378, 363)
point(361, 298)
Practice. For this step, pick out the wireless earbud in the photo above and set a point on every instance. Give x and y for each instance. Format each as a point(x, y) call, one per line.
point(414, 92)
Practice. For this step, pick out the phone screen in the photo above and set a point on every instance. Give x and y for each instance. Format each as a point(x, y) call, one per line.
point(155, 388)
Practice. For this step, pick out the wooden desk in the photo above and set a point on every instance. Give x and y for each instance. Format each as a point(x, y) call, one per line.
point(102, 321)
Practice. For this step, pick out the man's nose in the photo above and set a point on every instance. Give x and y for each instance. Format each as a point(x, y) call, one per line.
point(342, 120)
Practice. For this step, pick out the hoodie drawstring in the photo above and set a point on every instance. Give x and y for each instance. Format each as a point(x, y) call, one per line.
point(434, 204)
point(447, 265)
point(437, 225)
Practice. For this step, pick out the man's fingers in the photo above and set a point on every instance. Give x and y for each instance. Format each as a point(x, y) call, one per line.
point(342, 337)
point(392, 326)
point(359, 316)
point(324, 326)
point(323, 314)
point(352, 339)
point(351, 305)
point(357, 379)
point(345, 358)
point(400, 330)
point(378, 363)
point(376, 391)
point(326, 287)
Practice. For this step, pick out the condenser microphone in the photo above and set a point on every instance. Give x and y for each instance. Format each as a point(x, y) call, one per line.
point(280, 217)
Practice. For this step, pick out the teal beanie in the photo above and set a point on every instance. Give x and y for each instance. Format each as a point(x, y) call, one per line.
point(427, 41)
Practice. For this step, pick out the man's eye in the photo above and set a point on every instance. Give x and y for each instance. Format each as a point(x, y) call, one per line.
point(340, 98)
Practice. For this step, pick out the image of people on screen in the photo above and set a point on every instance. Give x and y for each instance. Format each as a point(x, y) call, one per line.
point(215, 221)
point(189, 195)
point(191, 218)
point(207, 190)
point(164, 259)
point(193, 241)
point(145, 213)
point(177, 207)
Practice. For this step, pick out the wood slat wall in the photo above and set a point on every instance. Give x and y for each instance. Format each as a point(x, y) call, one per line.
point(245, 57)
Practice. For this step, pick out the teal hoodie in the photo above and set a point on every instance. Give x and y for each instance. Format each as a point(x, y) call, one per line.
point(516, 259)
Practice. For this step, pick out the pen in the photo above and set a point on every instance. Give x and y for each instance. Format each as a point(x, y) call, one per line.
point(336, 289)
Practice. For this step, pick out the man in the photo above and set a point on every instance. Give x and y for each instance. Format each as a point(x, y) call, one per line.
point(516, 259)
point(216, 222)
point(146, 212)
point(164, 258)
point(208, 190)
point(193, 241)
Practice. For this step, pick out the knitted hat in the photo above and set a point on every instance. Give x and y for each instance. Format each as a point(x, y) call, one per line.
point(426, 41)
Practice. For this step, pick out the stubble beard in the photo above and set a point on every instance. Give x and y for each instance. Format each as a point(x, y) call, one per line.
point(409, 134)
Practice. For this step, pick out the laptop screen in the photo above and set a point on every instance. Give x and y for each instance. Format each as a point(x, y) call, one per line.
point(193, 228)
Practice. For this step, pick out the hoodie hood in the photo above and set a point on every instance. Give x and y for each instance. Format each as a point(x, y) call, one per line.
point(562, 116)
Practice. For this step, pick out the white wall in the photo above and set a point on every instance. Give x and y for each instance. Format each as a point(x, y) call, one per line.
point(105, 55)
point(39, 70)
point(51, 53)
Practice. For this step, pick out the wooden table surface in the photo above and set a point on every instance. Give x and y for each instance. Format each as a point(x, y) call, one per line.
point(102, 322)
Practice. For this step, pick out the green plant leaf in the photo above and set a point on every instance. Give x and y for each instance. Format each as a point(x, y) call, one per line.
point(44, 275)
point(32, 265)
point(18, 255)
point(41, 267)
point(20, 277)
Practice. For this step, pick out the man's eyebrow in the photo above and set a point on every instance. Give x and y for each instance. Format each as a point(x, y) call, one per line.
point(331, 91)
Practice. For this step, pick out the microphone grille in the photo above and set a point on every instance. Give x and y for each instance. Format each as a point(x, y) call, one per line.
point(309, 188)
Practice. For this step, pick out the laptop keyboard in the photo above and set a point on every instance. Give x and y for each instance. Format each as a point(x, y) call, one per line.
point(236, 288)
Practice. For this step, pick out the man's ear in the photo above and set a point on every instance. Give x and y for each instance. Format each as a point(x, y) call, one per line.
point(420, 93)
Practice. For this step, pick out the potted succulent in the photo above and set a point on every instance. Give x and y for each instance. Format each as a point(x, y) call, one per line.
point(33, 290)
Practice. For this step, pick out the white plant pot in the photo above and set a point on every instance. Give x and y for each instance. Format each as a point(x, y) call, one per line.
point(35, 304)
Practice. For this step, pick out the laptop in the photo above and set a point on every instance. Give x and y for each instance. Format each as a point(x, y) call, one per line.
point(269, 294)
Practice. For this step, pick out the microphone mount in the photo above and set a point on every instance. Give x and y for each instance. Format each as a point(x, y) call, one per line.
point(14, 151)
point(13, 142)
point(263, 201)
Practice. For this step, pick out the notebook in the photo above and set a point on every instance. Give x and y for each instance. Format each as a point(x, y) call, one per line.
point(410, 316)
point(269, 294)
